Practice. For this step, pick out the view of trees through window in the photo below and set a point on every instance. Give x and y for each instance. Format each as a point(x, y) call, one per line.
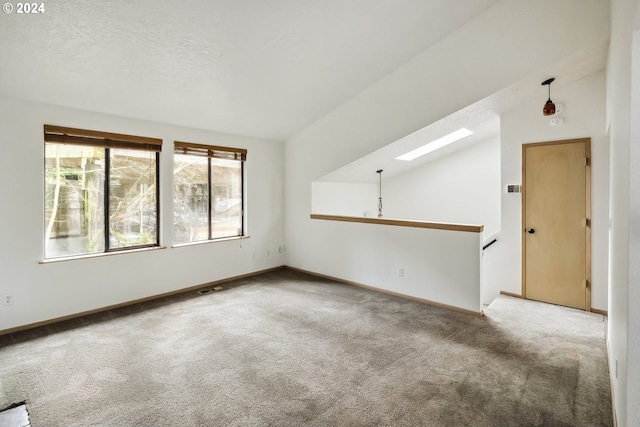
point(207, 198)
point(101, 192)
point(77, 177)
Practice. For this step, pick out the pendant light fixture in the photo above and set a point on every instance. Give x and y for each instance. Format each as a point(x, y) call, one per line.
point(379, 172)
point(549, 108)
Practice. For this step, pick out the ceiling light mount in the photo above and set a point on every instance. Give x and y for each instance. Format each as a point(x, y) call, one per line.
point(549, 108)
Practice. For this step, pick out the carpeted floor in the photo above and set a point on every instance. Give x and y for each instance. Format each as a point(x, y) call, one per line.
point(287, 349)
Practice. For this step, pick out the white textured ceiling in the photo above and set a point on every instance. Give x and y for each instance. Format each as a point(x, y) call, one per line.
point(264, 68)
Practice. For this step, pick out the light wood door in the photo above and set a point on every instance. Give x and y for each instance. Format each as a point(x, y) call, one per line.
point(556, 235)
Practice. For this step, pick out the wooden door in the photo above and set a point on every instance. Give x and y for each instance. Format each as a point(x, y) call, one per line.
point(556, 228)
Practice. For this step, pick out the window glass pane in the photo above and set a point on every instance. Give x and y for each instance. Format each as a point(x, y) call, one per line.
point(74, 199)
point(226, 183)
point(132, 199)
point(191, 199)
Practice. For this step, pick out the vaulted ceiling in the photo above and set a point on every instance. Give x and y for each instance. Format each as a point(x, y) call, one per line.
point(259, 68)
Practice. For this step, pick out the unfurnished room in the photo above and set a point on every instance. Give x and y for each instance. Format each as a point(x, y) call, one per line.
point(320, 213)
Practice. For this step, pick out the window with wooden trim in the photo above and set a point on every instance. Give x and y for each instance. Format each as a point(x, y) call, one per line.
point(101, 191)
point(208, 192)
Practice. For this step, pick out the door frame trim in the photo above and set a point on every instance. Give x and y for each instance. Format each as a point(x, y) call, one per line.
point(587, 150)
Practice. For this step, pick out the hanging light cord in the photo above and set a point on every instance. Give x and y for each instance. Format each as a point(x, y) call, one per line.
point(380, 195)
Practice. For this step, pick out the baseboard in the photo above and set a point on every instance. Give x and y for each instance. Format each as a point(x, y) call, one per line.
point(593, 310)
point(136, 301)
point(385, 291)
point(509, 294)
point(229, 279)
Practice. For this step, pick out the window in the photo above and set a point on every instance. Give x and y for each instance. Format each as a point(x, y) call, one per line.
point(101, 191)
point(208, 192)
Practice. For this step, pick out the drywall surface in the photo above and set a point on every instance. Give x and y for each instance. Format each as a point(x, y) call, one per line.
point(633, 366)
point(462, 187)
point(51, 290)
point(344, 198)
point(633, 320)
point(463, 68)
point(623, 107)
point(583, 115)
point(438, 265)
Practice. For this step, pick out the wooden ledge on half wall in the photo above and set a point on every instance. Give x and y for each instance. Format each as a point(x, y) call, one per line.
point(402, 223)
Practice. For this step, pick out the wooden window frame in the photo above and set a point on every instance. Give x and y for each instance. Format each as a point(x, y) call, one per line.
point(215, 152)
point(107, 141)
point(211, 151)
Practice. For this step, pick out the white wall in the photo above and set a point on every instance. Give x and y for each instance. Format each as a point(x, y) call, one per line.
point(584, 113)
point(462, 187)
point(344, 198)
point(624, 315)
point(633, 367)
point(439, 265)
point(456, 72)
point(46, 291)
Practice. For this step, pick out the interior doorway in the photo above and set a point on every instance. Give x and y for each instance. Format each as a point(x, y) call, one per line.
point(556, 232)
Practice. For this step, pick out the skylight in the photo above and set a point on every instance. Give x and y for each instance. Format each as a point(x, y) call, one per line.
point(436, 145)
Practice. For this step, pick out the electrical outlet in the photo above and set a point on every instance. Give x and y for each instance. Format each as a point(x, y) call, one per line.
point(268, 252)
point(7, 299)
point(400, 271)
point(281, 249)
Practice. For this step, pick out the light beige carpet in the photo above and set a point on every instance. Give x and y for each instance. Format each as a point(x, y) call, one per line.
point(287, 349)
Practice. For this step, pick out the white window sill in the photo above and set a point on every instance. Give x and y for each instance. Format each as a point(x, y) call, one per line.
point(101, 254)
point(204, 242)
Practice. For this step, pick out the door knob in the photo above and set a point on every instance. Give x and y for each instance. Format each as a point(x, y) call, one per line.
point(531, 231)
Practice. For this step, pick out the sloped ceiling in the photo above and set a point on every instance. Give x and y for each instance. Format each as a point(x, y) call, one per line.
point(481, 117)
point(258, 68)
